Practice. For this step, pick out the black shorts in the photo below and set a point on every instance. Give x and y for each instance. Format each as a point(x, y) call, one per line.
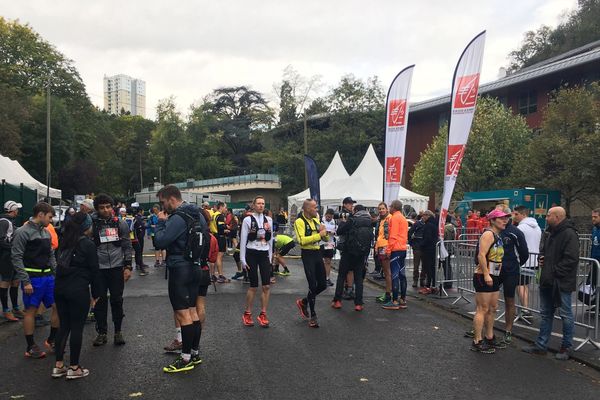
point(183, 286)
point(481, 287)
point(258, 260)
point(222, 240)
point(327, 253)
point(154, 243)
point(509, 284)
point(286, 248)
point(8, 275)
point(232, 234)
point(202, 290)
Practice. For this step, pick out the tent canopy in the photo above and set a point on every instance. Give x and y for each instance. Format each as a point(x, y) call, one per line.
point(12, 172)
point(365, 186)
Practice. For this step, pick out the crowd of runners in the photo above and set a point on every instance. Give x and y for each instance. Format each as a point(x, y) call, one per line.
point(82, 270)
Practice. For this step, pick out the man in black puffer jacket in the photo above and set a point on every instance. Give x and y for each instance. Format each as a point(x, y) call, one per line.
point(559, 258)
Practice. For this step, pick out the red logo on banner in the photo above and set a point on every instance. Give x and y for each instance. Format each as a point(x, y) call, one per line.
point(455, 157)
point(466, 92)
point(397, 112)
point(393, 168)
point(443, 215)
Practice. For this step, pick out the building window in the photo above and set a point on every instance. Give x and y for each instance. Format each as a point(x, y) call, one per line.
point(528, 102)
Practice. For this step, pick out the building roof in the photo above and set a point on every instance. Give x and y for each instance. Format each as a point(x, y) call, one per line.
point(581, 55)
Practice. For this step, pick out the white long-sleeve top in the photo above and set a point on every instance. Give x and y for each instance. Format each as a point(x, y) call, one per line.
point(255, 244)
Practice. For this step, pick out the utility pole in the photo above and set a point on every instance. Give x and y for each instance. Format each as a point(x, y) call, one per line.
point(305, 151)
point(48, 141)
point(141, 178)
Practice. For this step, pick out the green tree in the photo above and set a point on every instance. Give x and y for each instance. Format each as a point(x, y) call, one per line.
point(495, 141)
point(579, 28)
point(563, 154)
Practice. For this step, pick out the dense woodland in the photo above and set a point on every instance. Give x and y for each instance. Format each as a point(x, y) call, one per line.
point(236, 130)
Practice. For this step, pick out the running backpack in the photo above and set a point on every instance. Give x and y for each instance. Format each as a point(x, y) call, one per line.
point(197, 245)
point(213, 250)
point(358, 240)
point(64, 257)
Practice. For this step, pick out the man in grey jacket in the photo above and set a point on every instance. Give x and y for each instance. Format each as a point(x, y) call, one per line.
point(33, 259)
point(114, 257)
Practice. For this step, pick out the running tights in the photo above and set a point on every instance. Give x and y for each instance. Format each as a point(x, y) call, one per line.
point(315, 276)
point(72, 310)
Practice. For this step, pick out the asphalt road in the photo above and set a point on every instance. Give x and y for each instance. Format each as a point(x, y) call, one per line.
point(416, 353)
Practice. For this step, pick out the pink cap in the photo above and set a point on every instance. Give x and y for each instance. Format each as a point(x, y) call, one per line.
point(496, 214)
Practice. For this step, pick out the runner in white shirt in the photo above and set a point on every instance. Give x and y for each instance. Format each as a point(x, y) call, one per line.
point(256, 251)
point(328, 247)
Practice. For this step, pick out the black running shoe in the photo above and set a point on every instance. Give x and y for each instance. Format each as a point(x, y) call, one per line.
point(179, 365)
point(482, 347)
point(196, 360)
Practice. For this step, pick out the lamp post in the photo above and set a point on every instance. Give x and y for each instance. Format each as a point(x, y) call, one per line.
point(48, 156)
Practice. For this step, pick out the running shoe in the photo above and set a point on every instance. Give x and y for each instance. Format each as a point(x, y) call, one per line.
point(179, 365)
point(285, 272)
point(213, 278)
point(10, 317)
point(77, 373)
point(237, 276)
point(91, 317)
point(222, 279)
point(118, 339)
point(100, 340)
point(336, 304)
point(49, 346)
point(143, 271)
point(425, 291)
point(495, 343)
point(18, 313)
point(174, 347)
point(470, 334)
point(358, 307)
point(329, 283)
point(59, 372)
point(277, 273)
point(482, 347)
point(391, 305)
point(403, 305)
point(247, 319)
point(563, 354)
point(163, 264)
point(313, 322)
point(35, 352)
point(534, 349)
point(263, 320)
point(156, 264)
point(302, 308)
point(507, 339)
point(196, 360)
point(384, 298)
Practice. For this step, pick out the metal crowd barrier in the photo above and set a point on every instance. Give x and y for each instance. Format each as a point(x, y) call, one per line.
point(585, 300)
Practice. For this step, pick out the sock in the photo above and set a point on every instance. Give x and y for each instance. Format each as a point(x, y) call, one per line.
point(197, 334)
point(52, 334)
point(29, 339)
point(4, 299)
point(178, 334)
point(14, 297)
point(187, 334)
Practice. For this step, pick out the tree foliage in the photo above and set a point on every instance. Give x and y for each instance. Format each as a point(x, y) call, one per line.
point(495, 141)
point(562, 155)
point(580, 27)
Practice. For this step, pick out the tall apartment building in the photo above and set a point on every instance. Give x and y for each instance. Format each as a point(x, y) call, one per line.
point(122, 92)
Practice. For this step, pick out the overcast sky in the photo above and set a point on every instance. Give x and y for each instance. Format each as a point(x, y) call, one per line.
point(187, 48)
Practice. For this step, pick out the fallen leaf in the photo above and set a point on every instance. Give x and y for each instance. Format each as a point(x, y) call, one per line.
point(364, 380)
point(137, 394)
point(18, 396)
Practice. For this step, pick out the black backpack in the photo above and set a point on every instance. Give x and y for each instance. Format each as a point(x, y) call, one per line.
point(64, 257)
point(197, 244)
point(359, 239)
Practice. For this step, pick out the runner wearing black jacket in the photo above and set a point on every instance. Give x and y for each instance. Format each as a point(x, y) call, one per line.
point(430, 239)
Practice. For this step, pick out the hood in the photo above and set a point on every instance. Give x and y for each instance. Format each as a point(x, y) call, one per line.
point(530, 222)
point(566, 224)
point(362, 214)
point(190, 209)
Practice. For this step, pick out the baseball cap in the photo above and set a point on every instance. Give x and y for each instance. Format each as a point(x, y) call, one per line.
point(348, 200)
point(12, 205)
point(89, 203)
point(206, 204)
point(496, 214)
point(122, 210)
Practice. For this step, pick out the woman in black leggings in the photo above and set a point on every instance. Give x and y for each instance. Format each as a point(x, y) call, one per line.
point(77, 264)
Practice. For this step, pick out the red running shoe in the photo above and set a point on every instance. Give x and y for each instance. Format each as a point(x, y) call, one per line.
point(247, 319)
point(336, 304)
point(263, 320)
point(302, 307)
point(358, 307)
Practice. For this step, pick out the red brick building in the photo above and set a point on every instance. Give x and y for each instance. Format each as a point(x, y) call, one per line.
point(526, 92)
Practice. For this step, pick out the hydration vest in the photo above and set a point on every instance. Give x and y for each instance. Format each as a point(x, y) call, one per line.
point(253, 232)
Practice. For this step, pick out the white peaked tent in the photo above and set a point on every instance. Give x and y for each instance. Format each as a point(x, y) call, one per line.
point(365, 186)
point(336, 171)
point(12, 172)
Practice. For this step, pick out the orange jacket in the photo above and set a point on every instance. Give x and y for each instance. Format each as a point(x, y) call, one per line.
point(398, 238)
point(53, 235)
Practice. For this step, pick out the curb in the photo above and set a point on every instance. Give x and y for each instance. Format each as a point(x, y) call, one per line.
point(574, 356)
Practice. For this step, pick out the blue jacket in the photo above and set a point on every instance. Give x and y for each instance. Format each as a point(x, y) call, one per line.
point(516, 252)
point(596, 243)
point(172, 234)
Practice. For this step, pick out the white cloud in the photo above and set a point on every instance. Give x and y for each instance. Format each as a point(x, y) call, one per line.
point(188, 48)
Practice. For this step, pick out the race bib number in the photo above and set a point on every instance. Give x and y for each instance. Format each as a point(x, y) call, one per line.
point(495, 268)
point(329, 246)
point(109, 235)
